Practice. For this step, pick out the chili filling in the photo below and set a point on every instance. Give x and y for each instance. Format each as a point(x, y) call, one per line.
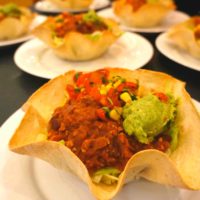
point(91, 123)
point(83, 23)
point(196, 21)
point(136, 4)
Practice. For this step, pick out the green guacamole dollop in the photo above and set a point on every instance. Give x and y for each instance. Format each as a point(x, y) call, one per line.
point(148, 116)
point(11, 10)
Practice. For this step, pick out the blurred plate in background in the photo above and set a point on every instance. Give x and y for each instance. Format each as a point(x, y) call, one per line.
point(165, 46)
point(129, 51)
point(38, 20)
point(48, 7)
point(171, 19)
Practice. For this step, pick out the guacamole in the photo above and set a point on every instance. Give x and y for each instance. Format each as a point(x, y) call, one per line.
point(148, 116)
point(10, 10)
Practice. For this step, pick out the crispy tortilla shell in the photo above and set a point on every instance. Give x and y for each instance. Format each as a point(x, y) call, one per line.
point(179, 168)
point(11, 28)
point(77, 46)
point(183, 37)
point(72, 4)
point(148, 15)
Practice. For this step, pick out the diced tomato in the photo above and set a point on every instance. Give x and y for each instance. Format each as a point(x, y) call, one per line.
point(111, 92)
point(113, 95)
point(96, 78)
point(95, 93)
point(163, 97)
point(82, 79)
point(104, 72)
point(131, 85)
point(101, 114)
point(127, 85)
point(104, 101)
point(71, 91)
point(120, 87)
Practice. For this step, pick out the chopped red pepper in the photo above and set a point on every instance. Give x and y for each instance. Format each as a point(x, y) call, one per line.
point(131, 85)
point(127, 85)
point(163, 97)
point(113, 94)
point(82, 79)
point(95, 93)
point(71, 91)
point(101, 114)
point(104, 101)
point(96, 78)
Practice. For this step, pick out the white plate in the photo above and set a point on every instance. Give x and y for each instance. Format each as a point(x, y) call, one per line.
point(178, 55)
point(38, 20)
point(27, 178)
point(130, 51)
point(49, 7)
point(171, 19)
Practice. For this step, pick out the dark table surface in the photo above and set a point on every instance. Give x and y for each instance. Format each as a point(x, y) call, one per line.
point(16, 86)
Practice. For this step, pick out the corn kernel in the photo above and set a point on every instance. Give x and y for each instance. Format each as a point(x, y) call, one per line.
point(108, 86)
point(103, 90)
point(116, 84)
point(114, 115)
point(125, 96)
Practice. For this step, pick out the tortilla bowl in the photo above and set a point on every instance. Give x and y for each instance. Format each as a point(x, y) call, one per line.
point(179, 168)
point(76, 46)
point(185, 37)
point(72, 4)
point(11, 27)
point(148, 15)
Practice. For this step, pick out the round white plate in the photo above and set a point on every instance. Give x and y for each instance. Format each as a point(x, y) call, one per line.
point(49, 7)
point(171, 19)
point(129, 51)
point(178, 55)
point(28, 178)
point(38, 20)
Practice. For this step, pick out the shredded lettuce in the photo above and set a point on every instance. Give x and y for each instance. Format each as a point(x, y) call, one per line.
point(91, 16)
point(94, 36)
point(108, 175)
point(62, 142)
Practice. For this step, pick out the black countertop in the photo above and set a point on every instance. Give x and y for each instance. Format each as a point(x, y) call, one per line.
point(16, 86)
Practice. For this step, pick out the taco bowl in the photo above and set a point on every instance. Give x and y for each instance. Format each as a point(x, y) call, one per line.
point(143, 14)
point(15, 21)
point(78, 37)
point(186, 36)
point(157, 158)
point(72, 4)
